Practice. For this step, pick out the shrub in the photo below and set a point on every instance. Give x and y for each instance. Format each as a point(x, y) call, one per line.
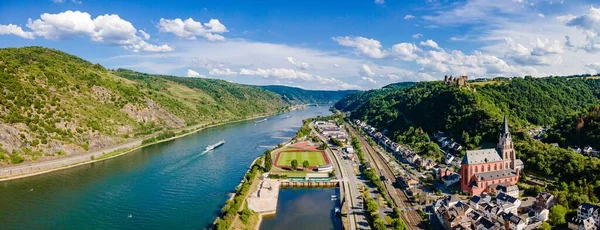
point(16, 158)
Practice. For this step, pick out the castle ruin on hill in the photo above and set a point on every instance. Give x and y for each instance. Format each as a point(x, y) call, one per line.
point(456, 81)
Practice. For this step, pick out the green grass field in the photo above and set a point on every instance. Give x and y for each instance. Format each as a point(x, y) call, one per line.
point(314, 158)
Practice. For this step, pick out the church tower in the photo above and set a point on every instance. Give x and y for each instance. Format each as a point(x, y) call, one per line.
point(505, 146)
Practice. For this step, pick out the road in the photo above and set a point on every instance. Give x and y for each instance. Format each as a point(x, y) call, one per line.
point(357, 217)
point(400, 200)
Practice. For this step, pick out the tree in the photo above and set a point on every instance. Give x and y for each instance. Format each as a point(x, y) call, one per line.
point(379, 224)
point(294, 164)
point(305, 164)
point(557, 215)
point(323, 146)
point(398, 224)
point(545, 226)
point(337, 142)
point(268, 161)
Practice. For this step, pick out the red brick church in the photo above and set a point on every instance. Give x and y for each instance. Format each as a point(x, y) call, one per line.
point(484, 169)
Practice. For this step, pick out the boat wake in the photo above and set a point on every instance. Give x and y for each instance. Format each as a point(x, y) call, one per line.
point(181, 164)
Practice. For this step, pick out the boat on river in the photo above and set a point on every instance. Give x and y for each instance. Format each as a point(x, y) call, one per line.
point(215, 145)
point(260, 121)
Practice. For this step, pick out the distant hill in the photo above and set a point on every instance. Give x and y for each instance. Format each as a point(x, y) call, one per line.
point(297, 95)
point(53, 103)
point(473, 115)
point(399, 85)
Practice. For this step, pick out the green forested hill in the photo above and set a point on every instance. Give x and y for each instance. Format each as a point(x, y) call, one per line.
point(581, 129)
point(471, 115)
point(213, 97)
point(53, 103)
point(297, 95)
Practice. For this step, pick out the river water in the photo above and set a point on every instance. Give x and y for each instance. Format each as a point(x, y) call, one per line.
point(167, 185)
point(304, 208)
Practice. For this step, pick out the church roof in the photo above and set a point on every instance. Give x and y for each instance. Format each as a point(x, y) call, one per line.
point(481, 156)
point(493, 175)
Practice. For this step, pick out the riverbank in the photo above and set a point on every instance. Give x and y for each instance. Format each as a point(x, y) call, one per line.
point(38, 168)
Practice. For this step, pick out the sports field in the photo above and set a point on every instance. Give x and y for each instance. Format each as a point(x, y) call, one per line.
point(315, 158)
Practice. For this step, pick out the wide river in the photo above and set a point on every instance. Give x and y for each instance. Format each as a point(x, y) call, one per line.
point(170, 185)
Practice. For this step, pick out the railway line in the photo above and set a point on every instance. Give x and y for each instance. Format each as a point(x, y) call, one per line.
point(398, 197)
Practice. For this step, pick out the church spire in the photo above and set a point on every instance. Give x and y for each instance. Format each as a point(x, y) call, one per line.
point(505, 126)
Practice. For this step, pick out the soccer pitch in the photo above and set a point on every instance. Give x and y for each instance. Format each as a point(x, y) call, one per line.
point(314, 158)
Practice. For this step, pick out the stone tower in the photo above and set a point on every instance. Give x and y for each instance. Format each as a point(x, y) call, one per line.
point(506, 147)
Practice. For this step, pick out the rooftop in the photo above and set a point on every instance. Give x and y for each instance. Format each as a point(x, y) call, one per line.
point(505, 197)
point(493, 175)
point(481, 156)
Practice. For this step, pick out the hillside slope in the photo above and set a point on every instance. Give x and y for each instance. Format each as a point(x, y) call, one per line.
point(473, 115)
point(297, 95)
point(53, 103)
point(581, 129)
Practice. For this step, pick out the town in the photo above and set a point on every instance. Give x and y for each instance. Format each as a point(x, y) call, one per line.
point(487, 196)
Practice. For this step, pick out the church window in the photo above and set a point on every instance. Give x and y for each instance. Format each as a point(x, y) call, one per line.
point(488, 168)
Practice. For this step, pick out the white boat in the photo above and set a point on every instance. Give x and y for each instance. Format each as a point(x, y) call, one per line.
point(260, 121)
point(215, 145)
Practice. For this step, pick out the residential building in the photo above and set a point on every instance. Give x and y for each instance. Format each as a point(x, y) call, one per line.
point(451, 179)
point(514, 222)
point(448, 159)
point(508, 203)
point(544, 200)
point(480, 212)
point(587, 217)
point(511, 190)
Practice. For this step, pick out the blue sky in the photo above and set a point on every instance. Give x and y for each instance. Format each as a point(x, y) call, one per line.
point(316, 44)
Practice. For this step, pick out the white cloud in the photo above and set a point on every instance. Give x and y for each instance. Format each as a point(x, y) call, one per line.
point(430, 43)
point(369, 47)
point(406, 51)
point(222, 72)
point(479, 12)
point(191, 73)
point(593, 68)
point(249, 55)
point(417, 36)
point(544, 47)
point(379, 2)
point(15, 30)
point(108, 29)
point(590, 25)
point(365, 71)
point(408, 17)
point(371, 80)
point(190, 29)
point(58, 1)
point(298, 64)
point(144, 35)
point(541, 15)
point(290, 74)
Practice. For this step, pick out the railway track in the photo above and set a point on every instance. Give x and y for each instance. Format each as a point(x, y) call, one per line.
point(397, 195)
